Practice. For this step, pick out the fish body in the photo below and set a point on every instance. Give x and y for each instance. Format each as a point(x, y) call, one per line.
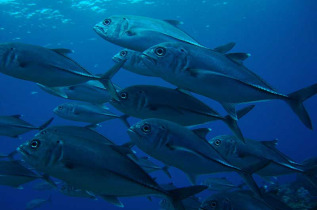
point(252, 152)
point(139, 33)
point(48, 67)
point(134, 62)
point(13, 126)
point(81, 164)
point(84, 112)
point(74, 192)
point(36, 203)
point(92, 91)
point(219, 76)
point(147, 101)
point(219, 184)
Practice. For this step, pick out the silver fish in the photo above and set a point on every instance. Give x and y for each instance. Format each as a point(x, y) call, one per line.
point(139, 33)
point(220, 184)
point(92, 91)
point(219, 76)
point(13, 126)
point(84, 112)
point(241, 200)
point(81, 163)
point(184, 149)
point(36, 203)
point(133, 62)
point(49, 67)
point(253, 152)
point(147, 101)
point(14, 174)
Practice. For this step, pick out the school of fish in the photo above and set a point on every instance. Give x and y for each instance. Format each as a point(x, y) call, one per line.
point(80, 162)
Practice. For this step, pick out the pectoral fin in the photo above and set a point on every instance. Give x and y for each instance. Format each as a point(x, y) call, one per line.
point(113, 200)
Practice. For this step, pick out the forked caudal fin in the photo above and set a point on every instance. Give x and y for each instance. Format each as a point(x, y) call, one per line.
point(232, 123)
point(47, 123)
point(179, 194)
point(296, 99)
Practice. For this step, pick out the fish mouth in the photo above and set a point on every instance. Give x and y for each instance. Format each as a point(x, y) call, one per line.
point(99, 30)
point(23, 151)
point(133, 134)
point(116, 59)
point(148, 60)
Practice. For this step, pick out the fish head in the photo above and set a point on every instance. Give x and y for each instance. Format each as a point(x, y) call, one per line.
point(112, 28)
point(9, 57)
point(125, 54)
point(167, 56)
point(149, 134)
point(224, 144)
point(64, 110)
point(42, 153)
point(216, 202)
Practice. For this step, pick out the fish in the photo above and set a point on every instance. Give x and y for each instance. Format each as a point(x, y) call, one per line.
point(147, 101)
point(242, 200)
point(84, 112)
point(221, 77)
point(185, 149)
point(149, 166)
point(13, 126)
point(74, 192)
point(49, 67)
point(253, 152)
point(14, 174)
point(220, 184)
point(81, 164)
point(133, 62)
point(41, 186)
point(36, 203)
point(92, 91)
point(139, 32)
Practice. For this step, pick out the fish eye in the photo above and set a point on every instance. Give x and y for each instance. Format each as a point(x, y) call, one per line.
point(123, 53)
point(146, 128)
point(35, 143)
point(107, 22)
point(124, 95)
point(217, 142)
point(160, 51)
point(213, 204)
point(60, 108)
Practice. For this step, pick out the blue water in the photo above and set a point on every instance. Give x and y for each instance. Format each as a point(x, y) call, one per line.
point(280, 35)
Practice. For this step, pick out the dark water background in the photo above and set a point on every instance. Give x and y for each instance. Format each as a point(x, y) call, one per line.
point(280, 35)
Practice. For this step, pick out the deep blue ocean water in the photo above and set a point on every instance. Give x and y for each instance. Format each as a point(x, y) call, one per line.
point(280, 35)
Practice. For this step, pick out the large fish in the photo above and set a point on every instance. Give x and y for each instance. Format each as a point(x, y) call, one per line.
point(241, 200)
point(49, 67)
point(219, 76)
point(253, 152)
point(92, 91)
point(14, 126)
point(14, 174)
point(139, 33)
point(134, 62)
point(183, 148)
point(102, 169)
point(84, 112)
point(147, 101)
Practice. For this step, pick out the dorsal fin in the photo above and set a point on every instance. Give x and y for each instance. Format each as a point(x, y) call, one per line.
point(62, 51)
point(202, 132)
point(18, 116)
point(225, 48)
point(238, 57)
point(271, 144)
point(174, 22)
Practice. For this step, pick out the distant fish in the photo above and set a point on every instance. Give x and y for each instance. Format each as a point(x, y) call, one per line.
point(220, 184)
point(69, 190)
point(49, 67)
point(139, 33)
point(14, 174)
point(34, 92)
point(14, 126)
point(36, 203)
point(84, 112)
point(92, 91)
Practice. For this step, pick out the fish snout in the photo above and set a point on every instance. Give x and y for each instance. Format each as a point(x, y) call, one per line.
point(99, 29)
point(148, 60)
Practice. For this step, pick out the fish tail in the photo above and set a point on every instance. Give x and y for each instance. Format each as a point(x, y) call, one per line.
point(233, 124)
point(105, 78)
point(177, 195)
point(296, 99)
point(47, 123)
